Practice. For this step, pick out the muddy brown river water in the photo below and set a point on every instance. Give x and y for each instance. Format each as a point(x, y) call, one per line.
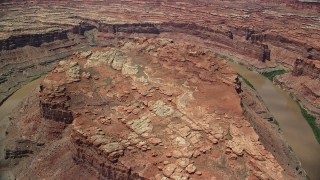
point(5, 110)
point(286, 111)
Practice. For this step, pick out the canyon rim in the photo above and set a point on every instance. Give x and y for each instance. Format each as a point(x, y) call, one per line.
point(143, 90)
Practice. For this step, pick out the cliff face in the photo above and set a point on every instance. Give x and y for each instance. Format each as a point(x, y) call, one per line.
point(18, 56)
point(104, 163)
point(309, 68)
point(54, 106)
point(234, 28)
point(30, 56)
point(113, 102)
point(58, 45)
point(35, 40)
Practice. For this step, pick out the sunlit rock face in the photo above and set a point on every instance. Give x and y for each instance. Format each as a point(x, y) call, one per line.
point(167, 108)
point(36, 34)
point(140, 89)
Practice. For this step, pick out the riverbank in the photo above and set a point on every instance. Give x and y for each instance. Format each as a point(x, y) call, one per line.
point(9, 106)
point(293, 125)
point(310, 112)
point(309, 117)
point(269, 132)
point(18, 84)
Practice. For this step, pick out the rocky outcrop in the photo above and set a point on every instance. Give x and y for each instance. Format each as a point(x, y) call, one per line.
point(21, 65)
point(223, 37)
point(313, 53)
point(129, 89)
point(254, 36)
point(135, 28)
point(57, 112)
point(76, 31)
point(309, 68)
point(266, 53)
point(53, 53)
point(31, 40)
point(302, 4)
point(54, 100)
point(13, 154)
point(36, 40)
point(22, 148)
point(123, 108)
point(143, 106)
point(105, 160)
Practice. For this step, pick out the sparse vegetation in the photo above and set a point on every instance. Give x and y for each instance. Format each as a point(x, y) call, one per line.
point(247, 82)
point(276, 122)
point(312, 122)
point(270, 75)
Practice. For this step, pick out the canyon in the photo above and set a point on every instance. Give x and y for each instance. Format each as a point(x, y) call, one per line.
point(142, 90)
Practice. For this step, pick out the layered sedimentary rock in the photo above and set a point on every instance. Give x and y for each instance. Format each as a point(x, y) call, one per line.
point(255, 31)
point(170, 106)
point(309, 68)
point(54, 100)
point(26, 63)
point(124, 94)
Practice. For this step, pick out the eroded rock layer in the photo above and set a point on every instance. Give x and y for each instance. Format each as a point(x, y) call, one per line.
point(123, 94)
point(255, 32)
point(152, 108)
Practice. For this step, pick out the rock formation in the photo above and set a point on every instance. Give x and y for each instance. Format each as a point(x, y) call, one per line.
point(145, 80)
point(170, 106)
point(234, 28)
point(309, 68)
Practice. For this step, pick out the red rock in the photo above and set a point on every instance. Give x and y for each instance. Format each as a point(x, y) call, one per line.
point(191, 168)
point(168, 169)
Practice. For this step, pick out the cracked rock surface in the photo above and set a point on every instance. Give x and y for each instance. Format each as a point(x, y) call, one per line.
point(173, 124)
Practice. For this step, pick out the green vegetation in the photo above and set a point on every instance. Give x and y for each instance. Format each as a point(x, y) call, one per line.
point(312, 122)
point(276, 122)
point(310, 119)
point(247, 82)
point(270, 75)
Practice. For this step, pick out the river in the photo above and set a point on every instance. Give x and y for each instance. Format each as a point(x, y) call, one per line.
point(5, 109)
point(286, 111)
